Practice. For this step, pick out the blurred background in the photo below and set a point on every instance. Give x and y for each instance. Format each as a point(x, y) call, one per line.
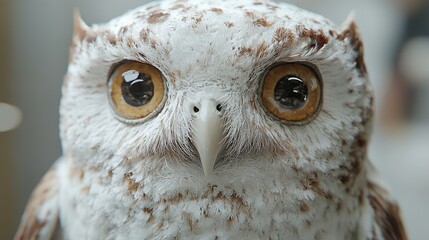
point(34, 40)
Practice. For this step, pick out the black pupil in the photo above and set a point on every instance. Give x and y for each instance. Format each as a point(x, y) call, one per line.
point(137, 88)
point(290, 92)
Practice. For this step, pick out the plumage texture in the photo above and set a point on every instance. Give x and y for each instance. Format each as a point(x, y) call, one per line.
point(144, 180)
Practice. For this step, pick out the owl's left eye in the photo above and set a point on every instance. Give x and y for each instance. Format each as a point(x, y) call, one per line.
point(292, 92)
point(136, 90)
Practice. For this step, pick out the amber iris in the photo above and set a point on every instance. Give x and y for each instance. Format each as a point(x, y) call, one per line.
point(292, 92)
point(136, 89)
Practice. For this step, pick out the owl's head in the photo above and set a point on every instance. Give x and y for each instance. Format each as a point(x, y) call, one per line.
point(217, 91)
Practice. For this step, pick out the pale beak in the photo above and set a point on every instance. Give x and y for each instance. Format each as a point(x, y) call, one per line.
point(208, 133)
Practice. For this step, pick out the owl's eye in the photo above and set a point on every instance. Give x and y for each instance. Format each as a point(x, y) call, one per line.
point(136, 89)
point(291, 92)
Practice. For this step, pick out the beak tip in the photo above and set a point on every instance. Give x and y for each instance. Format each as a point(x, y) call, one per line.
point(208, 170)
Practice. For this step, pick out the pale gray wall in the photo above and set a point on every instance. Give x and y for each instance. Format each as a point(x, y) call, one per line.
point(7, 193)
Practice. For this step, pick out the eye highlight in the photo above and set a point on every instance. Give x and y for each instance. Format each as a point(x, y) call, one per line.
point(291, 92)
point(136, 90)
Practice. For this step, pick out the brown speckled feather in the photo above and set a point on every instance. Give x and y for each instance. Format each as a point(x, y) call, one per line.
point(41, 214)
point(388, 223)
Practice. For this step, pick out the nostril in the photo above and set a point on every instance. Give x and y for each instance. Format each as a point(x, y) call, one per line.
point(196, 109)
point(219, 107)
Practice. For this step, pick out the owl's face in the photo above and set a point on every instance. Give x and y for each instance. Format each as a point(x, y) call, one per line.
point(191, 93)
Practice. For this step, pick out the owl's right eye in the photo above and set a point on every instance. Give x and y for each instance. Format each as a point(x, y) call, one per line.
point(136, 90)
point(292, 92)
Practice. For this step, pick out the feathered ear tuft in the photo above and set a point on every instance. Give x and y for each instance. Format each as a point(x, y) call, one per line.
point(80, 29)
point(81, 33)
point(349, 32)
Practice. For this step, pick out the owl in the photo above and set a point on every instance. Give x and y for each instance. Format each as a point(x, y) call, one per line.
point(214, 120)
